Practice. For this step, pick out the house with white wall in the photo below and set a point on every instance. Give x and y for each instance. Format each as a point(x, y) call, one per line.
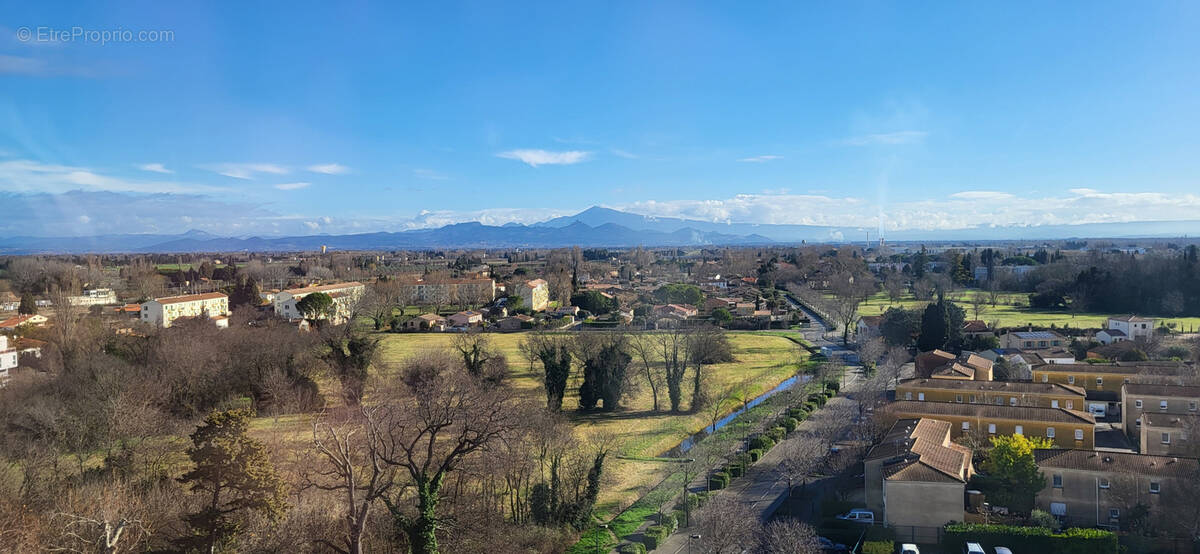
point(344, 296)
point(163, 312)
point(1134, 327)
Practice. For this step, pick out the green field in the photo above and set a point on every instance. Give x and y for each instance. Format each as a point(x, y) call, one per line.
point(761, 362)
point(1012, 310)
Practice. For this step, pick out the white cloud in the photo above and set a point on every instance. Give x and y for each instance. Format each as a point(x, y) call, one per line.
point(623, 154)
point(760, 159)
point(31, 176)
point(84, 219)
point(155, 168)
point(245, 170)
point(429, 174)
point(981, 195)
point(897, 137)
point(328, 169)
point(536, 157)
point(292, 186)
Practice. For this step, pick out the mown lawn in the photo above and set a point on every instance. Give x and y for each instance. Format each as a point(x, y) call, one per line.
point(761, 363)
point(1012, 310)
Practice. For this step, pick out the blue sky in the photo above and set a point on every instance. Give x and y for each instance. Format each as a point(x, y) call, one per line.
point(319, 117)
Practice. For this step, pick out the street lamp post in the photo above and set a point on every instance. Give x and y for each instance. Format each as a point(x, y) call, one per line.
point(605, 528)
point(692, 539)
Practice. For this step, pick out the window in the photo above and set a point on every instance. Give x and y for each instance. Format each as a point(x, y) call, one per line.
point(1070, 404)
point(1012, 401)
point(1058, 481)
point(1191, 405)
point(1071, 379)
point(958, 398)
point(1162, 404)
point(908, 396)
point(1137, 422)
point(1137, 403)
point(992, 428)
point(1103, 483)
point(999, 401)
point(1154, 489)
point(1114, 513)
point(1079, 434)
point(972, 398)
point(921, 396)
point(1099, 381)
point(1058, 509)
point(1166, 438)
point(1053, 403)
point(1020, 430)
point(966, 426)
point(1045, 377)
point(1049, 432)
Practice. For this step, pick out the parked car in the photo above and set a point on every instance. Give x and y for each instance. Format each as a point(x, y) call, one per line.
point(909, 548)
point(973, 548)
point(860, 515)
point(830, 546)
point(1003, 550)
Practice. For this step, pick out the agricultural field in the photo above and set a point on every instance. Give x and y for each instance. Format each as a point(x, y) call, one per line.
point(761, 363)
point(1012, 310)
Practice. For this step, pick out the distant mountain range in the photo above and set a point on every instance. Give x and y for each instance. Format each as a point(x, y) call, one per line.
point(593, 227)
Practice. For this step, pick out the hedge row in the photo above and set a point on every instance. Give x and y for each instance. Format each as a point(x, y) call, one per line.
point(632, 548)
point(878, 547)
point(654, 536)
point(1033, 539)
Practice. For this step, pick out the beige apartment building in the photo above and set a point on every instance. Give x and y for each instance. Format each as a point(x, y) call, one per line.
point(536, 294)
point(344, 296)
point(1139, 398)
point(1067, 428)
point(916, 475)
point(1011, 393)
point(1086, 488)
point(163, 312)
point(1168, 434)
point(470, 292)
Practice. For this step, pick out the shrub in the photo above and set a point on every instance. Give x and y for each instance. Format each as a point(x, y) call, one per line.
point(789, 423)
point(718, 481)
point(777, 434)
point(755, 454)
point(654, 536)
point(830, 393)
point(734, 470)
point(1033, 539)
point(632, 548)
point(833, 386)
point(762, 442)
point(669, 521)
point(818, 399)
point(878, 547)
point(796, 412)
point(810, 406)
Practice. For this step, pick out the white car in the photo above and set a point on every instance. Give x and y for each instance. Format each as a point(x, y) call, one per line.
point(1003, 550)
point(860, 515)
point(909, 548)
point(974, 548)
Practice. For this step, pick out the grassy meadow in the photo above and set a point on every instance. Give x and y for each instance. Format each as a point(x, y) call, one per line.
point(1012, 310)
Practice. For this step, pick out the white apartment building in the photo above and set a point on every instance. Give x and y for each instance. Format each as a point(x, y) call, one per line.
point(95, 297)
point(344, 296)
point(448, 291)
point(162, 312)
point(8, 359)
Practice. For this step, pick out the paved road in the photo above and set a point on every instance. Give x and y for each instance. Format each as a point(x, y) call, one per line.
point(761, 490)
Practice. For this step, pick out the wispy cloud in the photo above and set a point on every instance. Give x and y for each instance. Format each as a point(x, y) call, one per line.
point(155, 168)
point(31, 176)
point(292, 186)
point(536, 157)
point(245, 170)
point(328, 169)
point(760, 159)
point(897, 137)
point(623, 154)
point(42, 67)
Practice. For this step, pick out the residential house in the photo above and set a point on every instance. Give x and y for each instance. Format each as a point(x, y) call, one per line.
point(968, 367)
point(536, 294)
point(163, 312)
point(1109, 336)
point(1169, 434)
point(344, 295)
point(1052, 355)
point(12, 323)
point(679, 311)
point(868, 327)
point(94, 297)
point(926, 362)
point(744, 308)
point(1012, 393)
point(1156, 398)
point(515, 323)
point(1067, 428)
point(977, 328)
point(713, 302)
point(916, 475)
point(1086, 488)
point(1031, 340)
point(466, 318)
point(1134, 327)
point(426, 322)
